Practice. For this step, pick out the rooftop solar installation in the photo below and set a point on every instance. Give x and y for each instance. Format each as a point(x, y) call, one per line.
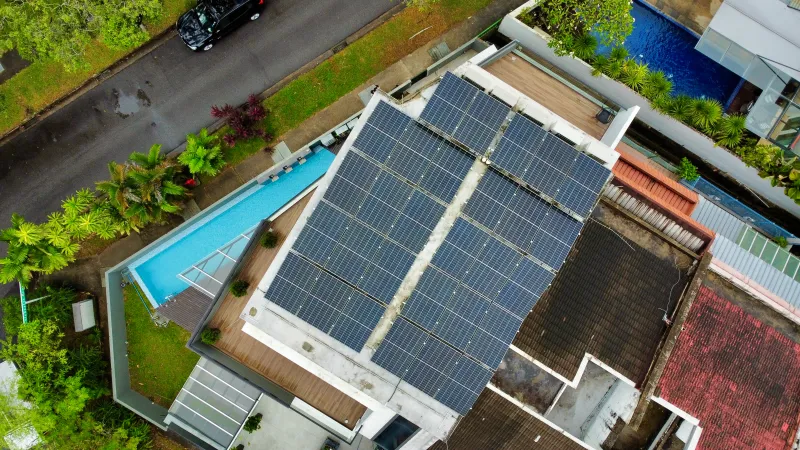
point(375, 217)
point(500, 255)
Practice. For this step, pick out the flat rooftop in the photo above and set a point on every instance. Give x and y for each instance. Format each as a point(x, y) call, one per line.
point(550, 92)
point(416, 260)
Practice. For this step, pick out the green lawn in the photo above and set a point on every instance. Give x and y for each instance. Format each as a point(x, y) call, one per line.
point(353, 66)
point(158, 358)
point(37, 86)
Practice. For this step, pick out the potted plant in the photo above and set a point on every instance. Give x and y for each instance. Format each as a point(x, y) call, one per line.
point(253, 423)
point(239, 288)
point(269, 239)
point(210, 336)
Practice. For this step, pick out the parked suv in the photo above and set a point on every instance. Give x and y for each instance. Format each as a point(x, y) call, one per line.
point(207, 22)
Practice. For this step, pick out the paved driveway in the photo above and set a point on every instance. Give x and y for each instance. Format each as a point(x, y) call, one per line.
point(164, 96)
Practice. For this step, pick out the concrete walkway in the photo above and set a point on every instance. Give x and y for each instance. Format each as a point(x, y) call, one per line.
point(283, 428)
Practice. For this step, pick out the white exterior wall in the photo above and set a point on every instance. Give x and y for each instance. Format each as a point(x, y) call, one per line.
point(699, 144)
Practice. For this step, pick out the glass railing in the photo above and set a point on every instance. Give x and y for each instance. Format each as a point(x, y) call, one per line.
point(209, 274)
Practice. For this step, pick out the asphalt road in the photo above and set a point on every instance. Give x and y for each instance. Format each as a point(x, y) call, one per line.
point(164, 96)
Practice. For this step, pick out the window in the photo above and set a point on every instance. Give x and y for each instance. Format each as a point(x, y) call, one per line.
point(713, 45)
point(394, 435)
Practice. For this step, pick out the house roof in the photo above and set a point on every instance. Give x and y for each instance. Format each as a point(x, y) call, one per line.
point(635, 168)
point(608, 300)
point(736, 373)
point(498, 424)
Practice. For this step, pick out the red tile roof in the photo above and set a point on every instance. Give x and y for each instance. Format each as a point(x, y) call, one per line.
point(643, 179)
point(737, 375)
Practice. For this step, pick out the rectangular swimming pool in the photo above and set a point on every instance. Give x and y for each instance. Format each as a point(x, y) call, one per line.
point(159, 271)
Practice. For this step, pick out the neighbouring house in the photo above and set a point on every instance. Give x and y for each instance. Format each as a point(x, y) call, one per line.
point(760, 42)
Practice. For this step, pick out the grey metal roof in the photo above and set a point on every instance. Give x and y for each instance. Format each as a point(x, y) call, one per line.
point(214, 402)
point(717, 219)
point(759, 270)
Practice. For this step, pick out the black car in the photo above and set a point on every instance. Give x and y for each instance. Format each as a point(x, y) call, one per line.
point(207, 22)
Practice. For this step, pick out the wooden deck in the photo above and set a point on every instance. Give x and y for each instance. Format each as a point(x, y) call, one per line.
point(266, 361)
point(551, 93)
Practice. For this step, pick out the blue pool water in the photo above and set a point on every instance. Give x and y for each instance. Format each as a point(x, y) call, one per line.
point(158, 271)
point(666, 46)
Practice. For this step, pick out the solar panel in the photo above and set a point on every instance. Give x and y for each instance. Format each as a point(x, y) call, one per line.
point(324, 301)
point(375, 216)
point(496, 261)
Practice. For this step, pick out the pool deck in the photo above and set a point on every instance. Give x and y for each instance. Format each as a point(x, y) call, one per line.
point(260, 358)
point(551, 93)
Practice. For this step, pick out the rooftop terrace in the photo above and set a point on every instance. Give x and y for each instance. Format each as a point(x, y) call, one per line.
point(262, 359)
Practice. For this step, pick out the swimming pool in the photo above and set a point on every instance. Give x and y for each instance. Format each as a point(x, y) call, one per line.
point(157, 272)
point(666, 46)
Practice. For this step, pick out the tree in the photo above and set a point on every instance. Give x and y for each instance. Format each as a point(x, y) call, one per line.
point(33, 249)
point(203, 154)
point(610, 20)
point(120, 21)
point(62, 30)
point(143, 190)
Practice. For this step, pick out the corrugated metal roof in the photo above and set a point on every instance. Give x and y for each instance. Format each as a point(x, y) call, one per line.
point(719, 220)
point(754, 267)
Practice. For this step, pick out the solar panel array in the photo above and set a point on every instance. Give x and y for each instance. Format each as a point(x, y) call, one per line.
point(466, 113)
point(496, 261)
point(550, 165)
point(375, 217)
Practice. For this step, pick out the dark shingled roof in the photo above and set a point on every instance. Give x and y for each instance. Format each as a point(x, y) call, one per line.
point(497, 424)
point(607, 300)
point(737, 375)
point(186, 309)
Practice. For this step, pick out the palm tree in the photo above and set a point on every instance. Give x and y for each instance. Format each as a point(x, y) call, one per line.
point(731, 130)
point(656, 85)
point(203, 154)
point(33, 248)
point(634, 74)
point(681, 107)
point(705, 113)
point(142, 190)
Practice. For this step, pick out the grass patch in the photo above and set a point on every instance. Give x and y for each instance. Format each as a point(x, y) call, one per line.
point(353, 66)
point(158, 358)
point(37, 86)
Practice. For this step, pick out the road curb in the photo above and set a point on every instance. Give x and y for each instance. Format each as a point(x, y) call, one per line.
point(115, 68)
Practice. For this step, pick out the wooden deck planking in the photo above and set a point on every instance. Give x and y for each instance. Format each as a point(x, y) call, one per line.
point(249, 351)
point(549, 92)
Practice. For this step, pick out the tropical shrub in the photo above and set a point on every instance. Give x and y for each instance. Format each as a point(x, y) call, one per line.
point(730, 130)
point(253, 423)
point(681, 107)
point(687, 170)
point(656, 86)
point(239, 288)
point(244, 122)
point(599, 64)
point(704, 113)
point(614, 68)
point(210, 336)
point(619, 53)
point(269, 239)
point(634, 74)
point(773, 165)
point(203, 155)
point(584, 46)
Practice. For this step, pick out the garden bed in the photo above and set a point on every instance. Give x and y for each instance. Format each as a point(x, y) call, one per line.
point(158, 359)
